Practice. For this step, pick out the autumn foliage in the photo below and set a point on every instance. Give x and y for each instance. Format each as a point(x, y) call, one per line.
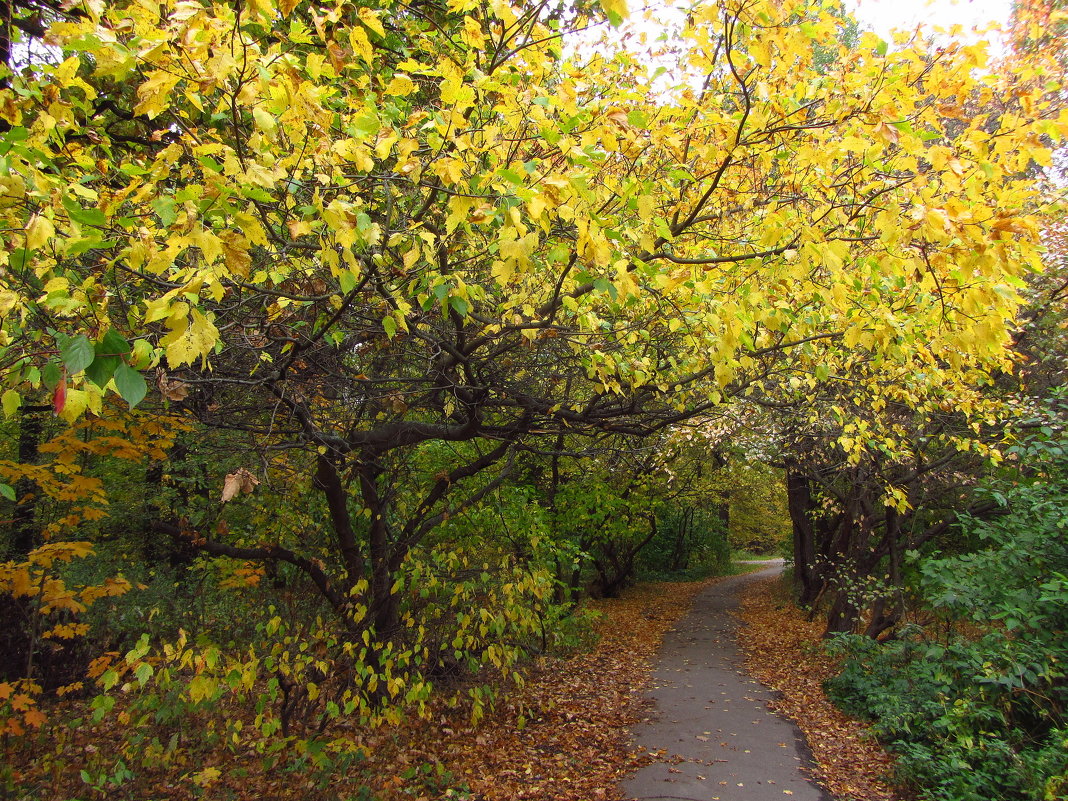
point(388, 325)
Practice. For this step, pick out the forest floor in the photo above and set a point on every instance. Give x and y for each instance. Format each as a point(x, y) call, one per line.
point(565, 734)
point(574, 745)
point(783, 651)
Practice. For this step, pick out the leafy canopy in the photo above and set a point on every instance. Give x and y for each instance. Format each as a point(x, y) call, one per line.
point(249, 188)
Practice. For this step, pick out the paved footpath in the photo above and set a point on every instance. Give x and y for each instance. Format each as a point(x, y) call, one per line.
point(712, 719)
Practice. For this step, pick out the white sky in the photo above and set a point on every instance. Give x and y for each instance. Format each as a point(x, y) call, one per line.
point(884, 15)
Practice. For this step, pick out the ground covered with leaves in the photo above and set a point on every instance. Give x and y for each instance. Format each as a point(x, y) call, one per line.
point(563, 736)
point(783, 650)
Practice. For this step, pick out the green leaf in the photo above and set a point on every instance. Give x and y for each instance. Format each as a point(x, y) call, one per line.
point(615, 10)
point(94, 217)
point(638, 118)
point(390, 325)
point(51, 375)
point(114, 344)
point(347, 281)
point(19, 258)
point(130, 384)
point(511, 176)
point(11, 401)
point(77, 353)
point(366, 124)
point(109, 679)
point(7, 491)
point(102, 369)
point(143, 673)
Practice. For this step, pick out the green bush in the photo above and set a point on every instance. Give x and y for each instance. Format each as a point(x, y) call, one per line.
point(689, 542)
point(979, 714)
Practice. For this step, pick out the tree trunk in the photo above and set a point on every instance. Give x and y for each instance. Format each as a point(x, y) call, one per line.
point(807, 583)
point(25, 533)
point(680, 556)
point(842, 616)
point(886, 612)
point(383, 607)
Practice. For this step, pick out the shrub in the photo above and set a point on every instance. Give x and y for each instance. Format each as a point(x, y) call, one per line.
point(979, 715)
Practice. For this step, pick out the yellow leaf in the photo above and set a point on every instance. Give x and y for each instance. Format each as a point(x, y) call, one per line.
point(400, 85)
point(459, 206)
point(153, 96)
point(646, 206)
point(503, 271)
point(11, 401)
point(458, 94)
point(39, 231)
point(191, 337)
point(361, 45)
point(535, 207)
point(76, 402)
point(207, 776)
point(616, 10)
point(265, 8)
point(235, 253)
point(8, 300)
point(265, 121)
point(450, 171)
point(210, 245)
point(370, 18)
point(472, 33)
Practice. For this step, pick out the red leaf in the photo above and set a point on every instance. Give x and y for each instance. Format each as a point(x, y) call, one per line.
point(59, 397)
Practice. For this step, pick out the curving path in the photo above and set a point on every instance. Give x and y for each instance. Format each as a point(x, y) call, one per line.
point(711, 719)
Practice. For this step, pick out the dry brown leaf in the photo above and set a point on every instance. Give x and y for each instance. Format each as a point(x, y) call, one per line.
point(240, 481)
point(783, 650)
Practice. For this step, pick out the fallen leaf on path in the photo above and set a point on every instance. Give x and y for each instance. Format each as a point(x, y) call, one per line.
point(783, 650)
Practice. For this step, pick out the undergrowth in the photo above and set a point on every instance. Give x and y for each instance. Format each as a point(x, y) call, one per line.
point(975, 706)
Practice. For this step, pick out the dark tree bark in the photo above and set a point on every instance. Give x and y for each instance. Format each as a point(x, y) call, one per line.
point(802, 508)
point(25, 531)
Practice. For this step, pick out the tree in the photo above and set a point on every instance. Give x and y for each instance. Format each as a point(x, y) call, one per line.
point(350, 232)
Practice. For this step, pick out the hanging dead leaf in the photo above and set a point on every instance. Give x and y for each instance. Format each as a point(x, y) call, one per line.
point(240, 481)
point(171, 389)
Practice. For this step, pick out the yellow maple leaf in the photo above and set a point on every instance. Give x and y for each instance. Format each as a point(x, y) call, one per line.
point(206, 777)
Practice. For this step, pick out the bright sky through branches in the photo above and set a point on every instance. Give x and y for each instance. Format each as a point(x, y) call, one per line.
point(882, 16)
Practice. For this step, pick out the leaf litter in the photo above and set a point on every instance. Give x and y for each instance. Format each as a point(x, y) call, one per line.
point(564, 735)
point(783, 650)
